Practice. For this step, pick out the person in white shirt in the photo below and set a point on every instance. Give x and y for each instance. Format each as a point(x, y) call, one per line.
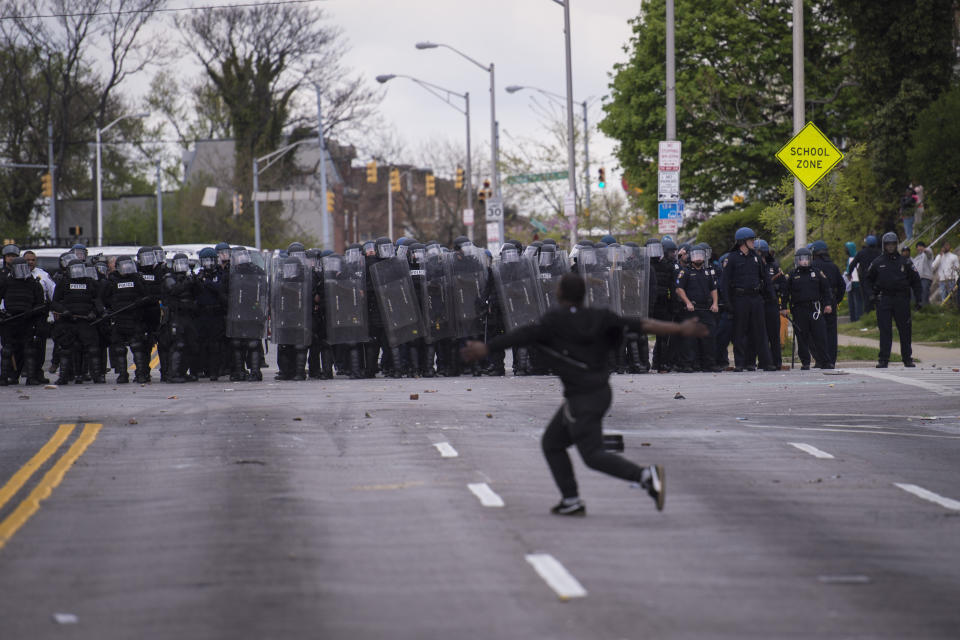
point(45, 280)
point(923, 261)
point(945, 268)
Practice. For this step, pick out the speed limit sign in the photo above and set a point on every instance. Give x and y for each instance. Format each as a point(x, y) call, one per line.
point(494, 209)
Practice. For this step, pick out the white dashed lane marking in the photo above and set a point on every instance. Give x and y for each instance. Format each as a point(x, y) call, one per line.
point(806, 448)
point(556, 576)
point(446, 450)
point(920, 492)
point(486, 495)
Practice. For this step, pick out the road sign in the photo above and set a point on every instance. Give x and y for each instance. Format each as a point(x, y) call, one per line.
point(494, 209)
point(809, 155)
point(570, 205)
point(468, 217)
point(668, 158)
point(669, 211)
point(524, 178)
point(668, 226)
point(493, 234)
point(668, 185)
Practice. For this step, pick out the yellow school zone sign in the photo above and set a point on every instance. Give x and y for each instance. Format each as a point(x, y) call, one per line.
point(809, 155)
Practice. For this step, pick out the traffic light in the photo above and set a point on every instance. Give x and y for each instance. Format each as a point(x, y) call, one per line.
point(602, 180)
point(47, 182)
point(331, 201)
point(482, 196)
point(395, 180)
point(737, 199)
point(459, 182)
point(431, 185)
point(239, 204)
point(372, 172)
point(486, 189)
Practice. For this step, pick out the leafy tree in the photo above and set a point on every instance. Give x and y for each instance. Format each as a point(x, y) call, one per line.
point(734, 93)
point(719, 230)
point(934, 158)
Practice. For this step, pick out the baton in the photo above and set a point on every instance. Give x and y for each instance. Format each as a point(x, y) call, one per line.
point(115, 313)
point(23, 313)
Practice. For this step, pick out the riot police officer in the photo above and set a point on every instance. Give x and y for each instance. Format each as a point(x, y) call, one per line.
point(211, 314)
point(891, 277)
point(24, 307)
point(807, 294)
point(665, 307)
point(123, 299)
point(823, 263)
point(180, 302)
point(745, 284)
point(76, 301)
point(697, 292)
point(152, 276)
point(771, 305)
point(861, 262)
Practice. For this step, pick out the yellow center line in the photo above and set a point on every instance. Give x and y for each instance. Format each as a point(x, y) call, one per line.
point(12, 523)
point(23, 474)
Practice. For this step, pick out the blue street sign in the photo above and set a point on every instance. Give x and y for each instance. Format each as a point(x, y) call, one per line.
point(669, 211)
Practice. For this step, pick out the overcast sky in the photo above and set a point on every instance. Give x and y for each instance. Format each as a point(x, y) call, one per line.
point(523, 38)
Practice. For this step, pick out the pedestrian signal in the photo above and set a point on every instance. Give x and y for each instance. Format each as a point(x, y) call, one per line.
point(602, 178)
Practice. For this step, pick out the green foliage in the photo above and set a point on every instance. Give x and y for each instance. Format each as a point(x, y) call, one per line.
point(719, 230)
point(734, 81)
point(932, 323)
point(843, 206)
point(935, 155)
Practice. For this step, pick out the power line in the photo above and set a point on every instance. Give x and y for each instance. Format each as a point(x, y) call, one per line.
point(160, 10)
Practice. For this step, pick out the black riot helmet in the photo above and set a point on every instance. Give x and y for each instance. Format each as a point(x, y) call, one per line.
point(890, 242)
point(146, 257)
point(100, 264)
point(66, 259)
point(803, 257)
point(460, 242)
point(297, 250)
point(654, 248)
point(76, 269)
point(181, 263)
point(160, 254)
point(20, 269)
point(126, 266)
point(416, 252)
point(385, 248)
point(208, 258)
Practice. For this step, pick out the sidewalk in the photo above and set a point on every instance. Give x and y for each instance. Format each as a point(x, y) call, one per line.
point(928, 356)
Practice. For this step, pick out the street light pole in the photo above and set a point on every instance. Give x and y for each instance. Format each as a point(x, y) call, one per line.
point(273, 156)
point(159, 207)
point(100, 179)
point(323, 173)
point(472, 224)
point(799, 194)
point(671, 77)
point(571, 153)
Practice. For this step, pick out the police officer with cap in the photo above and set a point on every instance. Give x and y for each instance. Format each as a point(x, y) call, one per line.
point(807, 294)
point(891, 278)
point(861, 262)
point(745, 284)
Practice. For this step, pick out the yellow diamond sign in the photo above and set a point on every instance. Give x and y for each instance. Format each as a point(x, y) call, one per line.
point(809, 155)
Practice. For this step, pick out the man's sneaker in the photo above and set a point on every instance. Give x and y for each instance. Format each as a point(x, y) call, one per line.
point(653, 480)
point(908, 363)
point(570, 507)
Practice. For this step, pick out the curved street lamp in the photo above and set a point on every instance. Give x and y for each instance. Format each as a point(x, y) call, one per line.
point(145, 114)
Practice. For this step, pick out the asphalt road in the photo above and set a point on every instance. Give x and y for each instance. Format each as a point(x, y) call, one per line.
point(326, 510)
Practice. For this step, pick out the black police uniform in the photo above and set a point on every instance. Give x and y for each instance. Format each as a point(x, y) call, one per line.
point(891, 278)
point(152, 278)
point(838, 288)
point(698, 285)
point(771, 309)
point(664, 308)
point(123, 298)
point(320, 355)
point(180, 304)
point(744, 283)
point(210, 321)
point(805, 293)
point(78, 305)
point(862, 262)
point(23, 303)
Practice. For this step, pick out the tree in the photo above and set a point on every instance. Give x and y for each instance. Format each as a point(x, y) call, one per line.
point(734, 93)
point(905, 55)
point(934, 157)
point(50, 63)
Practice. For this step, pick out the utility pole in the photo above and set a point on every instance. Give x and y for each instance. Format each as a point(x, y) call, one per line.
point(671, 77)
point(571, 153)
point(159, 207)
point(586, 156)
point(799, 194)
point(51, 169)
point(323, 173)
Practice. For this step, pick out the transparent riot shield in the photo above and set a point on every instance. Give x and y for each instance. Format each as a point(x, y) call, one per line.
point(597, 271)
point(436, 296)
point(248, 299)
point(634, 283)
point(291, 310)
point(552, 265)
point(399, 306)
point(345, 297)
point(468, 280)
point(518, 288)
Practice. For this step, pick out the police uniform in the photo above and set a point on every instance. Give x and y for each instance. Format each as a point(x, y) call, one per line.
point(78, 305)
point(23, 301)
point(891, 277)
point(744, 283)
point(698, 285)
point(771, 310)
point(838, 288)
point(123, 297)
point(806, 292)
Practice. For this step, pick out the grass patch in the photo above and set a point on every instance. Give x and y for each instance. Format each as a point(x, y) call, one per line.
point(930, 324)
point(845, 353)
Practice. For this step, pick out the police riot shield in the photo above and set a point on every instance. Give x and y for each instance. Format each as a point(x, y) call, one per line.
point(399, 306)
point(634, 283)
point(552, 265)
point(597, 270)
point(291, 310)
point(436, 296)
point(516, 279)
point(248, 300)
point(345, 297)
point(468, 280)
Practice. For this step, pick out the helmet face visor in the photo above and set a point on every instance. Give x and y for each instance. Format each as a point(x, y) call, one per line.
point(78, 271)
point(208, 263)
point(419, 255)
point(240, 256)
point(655, 250)
point(333, 264)
point(385, 251)
point(804, 261)
point(21, 270)
point(160, 256)
point(147, 259)
point(509, 255)
point(546, 258)
point(127, 267)
point(291, 271)
point(587, 256)
point(181, 265)
point(698, 255)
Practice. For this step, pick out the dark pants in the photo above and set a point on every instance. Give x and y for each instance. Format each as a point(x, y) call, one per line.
point(890, 309)
point(579, 422)
point(698, 353)
point(16, 336)
point(771, 319)
point(210, 329)
point(830, 327)
point(724, 334)
point(855, 302)
point(749, 332)
point(811, 333)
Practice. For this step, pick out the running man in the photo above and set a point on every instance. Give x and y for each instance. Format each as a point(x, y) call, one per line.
point(577, 342)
